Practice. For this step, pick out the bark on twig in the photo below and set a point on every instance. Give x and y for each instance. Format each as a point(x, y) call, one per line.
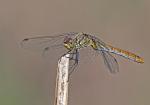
point(61, 90)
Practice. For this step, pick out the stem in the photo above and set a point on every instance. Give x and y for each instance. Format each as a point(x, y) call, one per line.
point(61, 90)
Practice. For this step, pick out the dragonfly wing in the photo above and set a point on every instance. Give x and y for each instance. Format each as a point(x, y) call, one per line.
point(110, 61)
point(44, 43)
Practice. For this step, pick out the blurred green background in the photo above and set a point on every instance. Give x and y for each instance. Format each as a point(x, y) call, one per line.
point(26, 78)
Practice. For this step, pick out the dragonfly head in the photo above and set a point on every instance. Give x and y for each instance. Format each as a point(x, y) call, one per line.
point(68, 43)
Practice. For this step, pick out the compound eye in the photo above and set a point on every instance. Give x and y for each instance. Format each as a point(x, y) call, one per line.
point(67, 40)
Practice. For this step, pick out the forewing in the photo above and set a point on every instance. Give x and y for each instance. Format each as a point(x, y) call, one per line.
point(110, 61)
point(44, 43)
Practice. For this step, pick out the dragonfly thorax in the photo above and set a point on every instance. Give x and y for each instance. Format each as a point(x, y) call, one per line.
point(80, 41)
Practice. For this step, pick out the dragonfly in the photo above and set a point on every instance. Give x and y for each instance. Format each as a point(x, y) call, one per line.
point(74, 41)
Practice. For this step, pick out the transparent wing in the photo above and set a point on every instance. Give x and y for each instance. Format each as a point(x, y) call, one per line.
point(44, 43)
point(110, 61)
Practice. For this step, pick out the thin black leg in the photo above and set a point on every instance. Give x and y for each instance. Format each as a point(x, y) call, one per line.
point(75, 58)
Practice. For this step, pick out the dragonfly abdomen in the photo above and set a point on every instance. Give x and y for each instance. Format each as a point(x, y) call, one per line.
point(126, 54)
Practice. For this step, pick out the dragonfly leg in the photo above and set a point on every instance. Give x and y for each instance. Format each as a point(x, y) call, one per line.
point(74, 59)
point(73, 66)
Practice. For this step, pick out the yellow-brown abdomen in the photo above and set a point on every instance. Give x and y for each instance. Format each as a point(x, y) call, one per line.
point(126, 54)
point(139, 59)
